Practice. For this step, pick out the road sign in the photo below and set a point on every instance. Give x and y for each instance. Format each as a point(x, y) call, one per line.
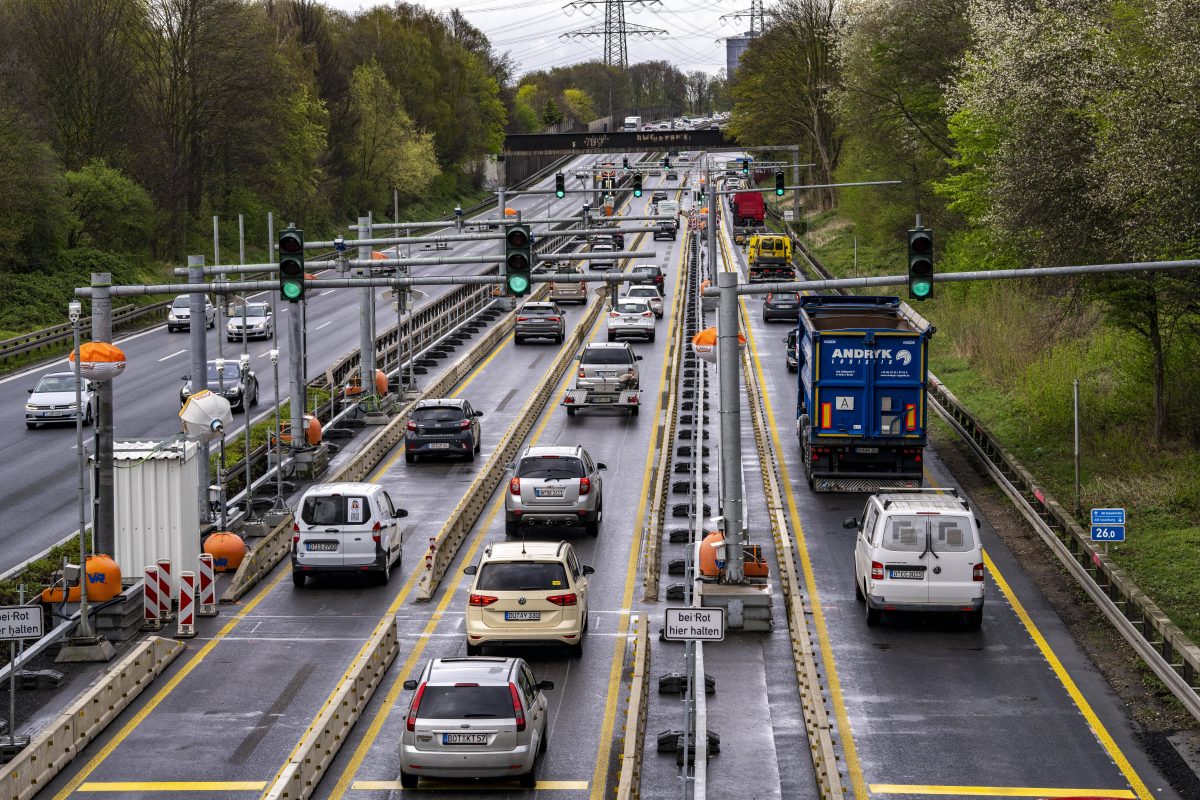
point(789, 215)
point(1108, 516)
point(694, 624)
point(1108, 533)
point(20, 622)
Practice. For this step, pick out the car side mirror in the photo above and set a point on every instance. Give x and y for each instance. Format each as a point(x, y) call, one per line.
point(185, 377)
point(588, 570)
point(510, 465)
point(470, 569)
point(479, 413)
point(850, 523)
point(639, 358)
point(579, 357)
point(410, 685)
point(546, 685)
point(29, 390)
point(601, 465)
point(401, 513)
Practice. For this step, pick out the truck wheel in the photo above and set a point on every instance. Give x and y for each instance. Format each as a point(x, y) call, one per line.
point(570, 411)
point(633, 411)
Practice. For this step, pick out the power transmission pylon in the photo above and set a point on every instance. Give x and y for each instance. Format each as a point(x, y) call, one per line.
point(756, 15)
point(615, 29)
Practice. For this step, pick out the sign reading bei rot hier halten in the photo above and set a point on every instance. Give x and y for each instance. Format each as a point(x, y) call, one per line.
point(694, 624)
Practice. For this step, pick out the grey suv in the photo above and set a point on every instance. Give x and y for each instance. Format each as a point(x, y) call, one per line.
point(602, 363)
point(554, 485)
point(446, 426)
point(539, 320)
point(474, 717)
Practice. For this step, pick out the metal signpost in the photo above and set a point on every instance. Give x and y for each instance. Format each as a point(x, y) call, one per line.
point(17, 623)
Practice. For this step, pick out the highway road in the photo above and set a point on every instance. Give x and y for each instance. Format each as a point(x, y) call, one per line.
point(39, 468)
point(922, 707)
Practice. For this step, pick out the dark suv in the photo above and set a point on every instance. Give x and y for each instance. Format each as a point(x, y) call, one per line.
point(446, 426)
point(650, 274)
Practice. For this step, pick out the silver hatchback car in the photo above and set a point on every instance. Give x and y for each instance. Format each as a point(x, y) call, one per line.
point(475, 717)
point(554, 485)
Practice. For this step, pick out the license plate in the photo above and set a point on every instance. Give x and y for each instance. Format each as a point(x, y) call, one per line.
point(906, 574)
point(464, 738)
point(522, 616)
point(55, 413)
point(322, 547)
point(440, 445)
point(630, 320)
point(551, 492)
point(602, 398)
point(866, 449)
point(606, 373)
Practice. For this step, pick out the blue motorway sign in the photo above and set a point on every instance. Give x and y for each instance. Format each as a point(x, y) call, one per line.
point(1108, 516)
point(1108, 533)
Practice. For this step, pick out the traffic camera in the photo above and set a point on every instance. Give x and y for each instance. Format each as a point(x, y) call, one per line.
point(291, 265)
point(920, 264)
point(518, 260)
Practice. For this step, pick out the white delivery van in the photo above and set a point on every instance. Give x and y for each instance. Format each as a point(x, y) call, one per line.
point(669, 208)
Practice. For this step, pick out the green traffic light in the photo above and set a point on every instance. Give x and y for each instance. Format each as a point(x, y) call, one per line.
point(637, 192)
point(518, 284)
point(292, 291)
point(921, 289)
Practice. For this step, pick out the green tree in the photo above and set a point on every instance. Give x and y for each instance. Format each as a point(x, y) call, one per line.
point(551, 113)
point(34, 212)
point(579, 104)
point(112, 212)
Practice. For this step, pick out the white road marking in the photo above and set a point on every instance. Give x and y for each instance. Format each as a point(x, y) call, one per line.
point(322, 325)
point(177, 352)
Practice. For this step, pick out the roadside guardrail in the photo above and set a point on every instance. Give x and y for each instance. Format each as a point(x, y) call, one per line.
point(630, 778)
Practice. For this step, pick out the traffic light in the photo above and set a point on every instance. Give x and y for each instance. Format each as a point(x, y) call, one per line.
point(779, 183)
point(625, 163)
point(637, 184)
point(666, 162)
point(745, 166)
point(920, 264)
point(560, 186)
point(518, 259)
point(291, 265)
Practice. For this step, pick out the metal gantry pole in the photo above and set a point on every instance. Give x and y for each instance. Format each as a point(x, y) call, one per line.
point(103, 518)
point(244, 368)
point(713, 199)
point(728, 374)
point(278, 505)
point(199, 342)
point(299, 401)
point(796, 183)
point(1078, 507)
point(85, 623)
point(366, 337)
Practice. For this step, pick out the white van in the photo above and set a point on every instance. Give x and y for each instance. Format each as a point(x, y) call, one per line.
point(669, 208)
point(346, 527)
point(918, 550)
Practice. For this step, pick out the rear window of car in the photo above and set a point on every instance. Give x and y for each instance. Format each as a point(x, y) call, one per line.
point(631, 308)
point(511, 576)
point(465, 702)
point(646, 270)
point(335, 510)
point(550, 467)
point(941, 533)
point(605, 355)
point(438, 414)
point(539, 311)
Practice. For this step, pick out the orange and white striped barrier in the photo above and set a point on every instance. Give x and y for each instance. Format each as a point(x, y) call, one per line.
point(187, 606)
point(166, 591)
point(151, 608)
point(208, 587)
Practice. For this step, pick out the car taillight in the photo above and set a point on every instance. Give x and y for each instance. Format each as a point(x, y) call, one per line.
point(295, 533)
point(518, 712)
point(647, 313)
point(613, 314)
point(563, 599)
point(412, 426)
point(514, 487)
point(482, 600)
point(464, 424)
point(375, 531)
point(876, 571)
point(585, 486)
point(553, 319)
point(411, 722)
point(581, 373)
point(522, 319)
point(977, 572)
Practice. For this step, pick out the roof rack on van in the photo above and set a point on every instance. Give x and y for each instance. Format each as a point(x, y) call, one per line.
point(951, 490)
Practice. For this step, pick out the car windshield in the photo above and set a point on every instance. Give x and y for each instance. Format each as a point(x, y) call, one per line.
point(631, 308)
point(644, 291)
point(465, 702)
point(56, 383)
point(231, 373)
point(181, 302)
point(605, 355)
point(254, 310)
point(514, 576)
point(438, 414)
point(550, 467)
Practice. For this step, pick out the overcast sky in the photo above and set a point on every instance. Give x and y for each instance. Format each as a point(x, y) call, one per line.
point(530, 30)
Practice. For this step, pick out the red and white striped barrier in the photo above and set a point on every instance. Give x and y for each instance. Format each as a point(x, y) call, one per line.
point(151, 610)
point(187, 605)
point(208, 587)
point(166, 590)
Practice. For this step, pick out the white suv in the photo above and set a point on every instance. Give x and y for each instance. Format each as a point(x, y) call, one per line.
point(918, 550)
point(528, 592)
point(346, 527)
point(631, 316)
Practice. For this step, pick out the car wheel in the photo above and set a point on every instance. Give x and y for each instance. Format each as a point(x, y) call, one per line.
point(88, 416)
point(561, 339)
point(31, 425)
point(408, 780)
point(479, 444)
point(409, 458)
point(298, 579)
point(612, 338)
point(652, 338)
point(474, 649)
point(577, 649)
point(512, 527)
point(384, 576)
point(974, 619)
point(518, 340)
point(570, 412)
point(212, 324)
point(592, 527)
point(543, 744)
point(470, 455)
point(254, 399)
point(873, 616)
point(858, 593)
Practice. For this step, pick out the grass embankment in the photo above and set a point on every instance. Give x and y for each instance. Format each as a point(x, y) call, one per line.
point(1010, 352)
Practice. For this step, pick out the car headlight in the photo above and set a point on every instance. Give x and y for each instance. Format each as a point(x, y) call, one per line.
point(30, 407)
point(234, 390)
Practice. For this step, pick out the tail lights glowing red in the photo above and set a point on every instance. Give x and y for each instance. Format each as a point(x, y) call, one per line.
point(411, 721)
point(977, 572)
point(518, 712)
point(412, 426)
point(876, 571)
point(585, 486)
point(514, 487)
point(563, 599)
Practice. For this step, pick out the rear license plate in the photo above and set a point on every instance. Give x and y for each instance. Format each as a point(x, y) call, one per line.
point(630, 320)
point(606, 373)
point(323, 547)
point(464, 738)
point(602, 398)
point(522, 616)
point(555, 491)
point(906, 574)
point(866, 449)
point(440, 445)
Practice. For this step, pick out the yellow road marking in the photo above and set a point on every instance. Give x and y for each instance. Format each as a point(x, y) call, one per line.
point(360, 753)
point(997, 791)
point(162, 693)
point(173, 786)
point(853, 767)
point(1098, 729)
point(394, 786)
point(604, 752)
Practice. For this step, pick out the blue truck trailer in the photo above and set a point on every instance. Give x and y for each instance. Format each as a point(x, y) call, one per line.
point(860, 408)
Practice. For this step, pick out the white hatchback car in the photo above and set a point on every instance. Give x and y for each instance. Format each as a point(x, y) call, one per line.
point(631, 316)
point(346, 527)
point(528, 592)
point(918, 550)
point(53, 400)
